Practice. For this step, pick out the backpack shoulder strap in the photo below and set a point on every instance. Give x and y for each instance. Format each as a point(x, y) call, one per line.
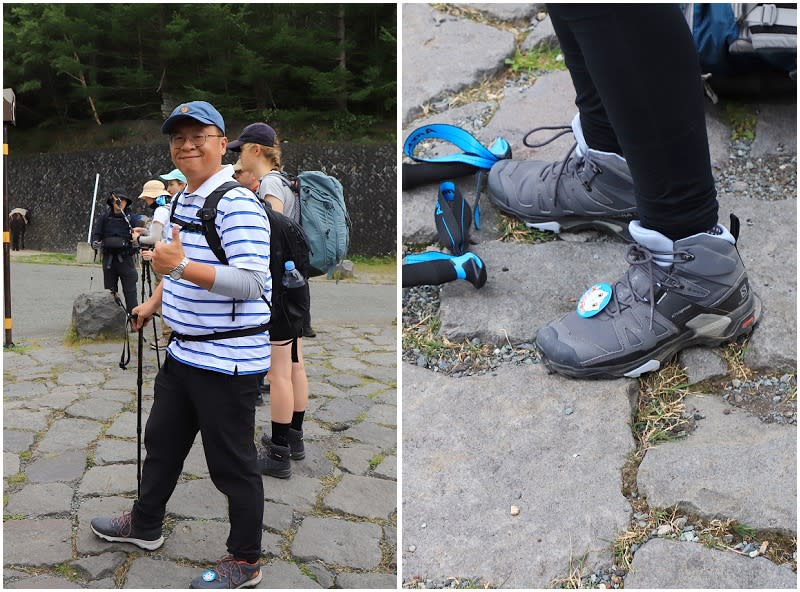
point(207, 215)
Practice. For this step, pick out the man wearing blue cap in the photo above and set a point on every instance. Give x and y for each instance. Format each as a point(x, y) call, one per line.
point(219, 352)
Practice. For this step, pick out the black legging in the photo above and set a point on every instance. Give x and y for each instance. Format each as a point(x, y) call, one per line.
point(637, 79)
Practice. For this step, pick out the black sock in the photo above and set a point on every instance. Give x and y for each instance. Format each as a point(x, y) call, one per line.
point(280, 433)
point(297, 420)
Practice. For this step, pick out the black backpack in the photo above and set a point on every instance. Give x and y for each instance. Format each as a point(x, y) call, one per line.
point(287, 243)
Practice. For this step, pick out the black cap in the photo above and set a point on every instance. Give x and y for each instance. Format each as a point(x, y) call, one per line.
point(255, 133)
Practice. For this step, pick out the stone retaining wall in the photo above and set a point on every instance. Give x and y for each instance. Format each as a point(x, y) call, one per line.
point(58, 188)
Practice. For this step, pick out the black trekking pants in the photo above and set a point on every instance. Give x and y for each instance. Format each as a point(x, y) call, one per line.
point(639, 94)
point(120, 268)
point(222, 408)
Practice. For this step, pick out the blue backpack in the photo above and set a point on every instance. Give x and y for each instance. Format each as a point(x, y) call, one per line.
point(324, 218)
point(739, 38)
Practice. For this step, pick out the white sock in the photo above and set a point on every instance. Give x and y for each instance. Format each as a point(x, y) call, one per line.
point(654, 241)
point(583, 148)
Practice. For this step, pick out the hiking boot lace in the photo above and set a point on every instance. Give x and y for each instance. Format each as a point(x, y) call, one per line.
point(124, 524)
point(225, 567)
point(638, 256)
point(569, 164)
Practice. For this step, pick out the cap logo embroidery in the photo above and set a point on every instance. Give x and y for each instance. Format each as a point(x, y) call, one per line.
point(184, 109)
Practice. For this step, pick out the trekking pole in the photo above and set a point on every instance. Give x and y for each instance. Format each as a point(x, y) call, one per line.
point(139, 415)
point(147, 278)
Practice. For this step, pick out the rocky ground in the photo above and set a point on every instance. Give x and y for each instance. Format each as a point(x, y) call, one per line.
point(517, 478)
point(69, 454)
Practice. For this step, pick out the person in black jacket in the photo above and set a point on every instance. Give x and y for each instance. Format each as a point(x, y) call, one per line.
point(113, 235)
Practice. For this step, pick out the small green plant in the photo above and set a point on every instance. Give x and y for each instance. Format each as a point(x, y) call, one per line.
point(25, 455)
point(361, 417)
point(90, 460)
point(18, 478)
point(536, 61)
point(513, 230)
point(743, 530)
point(7, 517)
point(67, 571)
point(306, 571)
point(742, 118)
point(375, 461)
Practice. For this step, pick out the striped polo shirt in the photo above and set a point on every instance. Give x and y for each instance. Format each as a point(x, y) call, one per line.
point(245, 234)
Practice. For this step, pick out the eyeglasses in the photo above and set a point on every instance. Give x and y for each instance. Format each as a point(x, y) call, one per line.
point(196, 140)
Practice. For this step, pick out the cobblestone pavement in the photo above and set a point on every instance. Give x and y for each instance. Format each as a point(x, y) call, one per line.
point(69, 454)
point(520, 479)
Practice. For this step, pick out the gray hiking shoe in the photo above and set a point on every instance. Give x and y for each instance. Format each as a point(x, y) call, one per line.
point(591, 189)
point(674, 295)
point(120, 529)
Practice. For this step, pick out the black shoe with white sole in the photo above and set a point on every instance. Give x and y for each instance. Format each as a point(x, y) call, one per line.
point(120, 529)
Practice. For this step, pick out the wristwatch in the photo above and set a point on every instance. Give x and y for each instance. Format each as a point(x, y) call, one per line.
point(177, 272)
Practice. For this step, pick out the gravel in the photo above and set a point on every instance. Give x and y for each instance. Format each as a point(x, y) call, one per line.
point(772, 398)
point(767, 178)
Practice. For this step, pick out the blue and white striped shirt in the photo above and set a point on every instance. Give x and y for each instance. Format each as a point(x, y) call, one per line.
point(244, 231)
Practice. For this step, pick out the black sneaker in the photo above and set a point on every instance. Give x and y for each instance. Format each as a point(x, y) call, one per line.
point(296, 445)
point(229, 574)
point(276, 463)
point(119, 529)
point(308, 332)
point(259, 399)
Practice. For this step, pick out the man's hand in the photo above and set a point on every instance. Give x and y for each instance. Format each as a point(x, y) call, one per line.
point(141, 314)
point(167, 256)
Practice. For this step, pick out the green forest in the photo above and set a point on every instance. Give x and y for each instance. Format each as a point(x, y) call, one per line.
point(329, 69)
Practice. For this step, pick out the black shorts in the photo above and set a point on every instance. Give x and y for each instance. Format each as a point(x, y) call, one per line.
point(281, 329)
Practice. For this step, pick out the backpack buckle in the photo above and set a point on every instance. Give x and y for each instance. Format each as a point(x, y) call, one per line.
point(206, 214)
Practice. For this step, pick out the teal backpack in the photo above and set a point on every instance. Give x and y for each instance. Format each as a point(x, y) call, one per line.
point(324, 218)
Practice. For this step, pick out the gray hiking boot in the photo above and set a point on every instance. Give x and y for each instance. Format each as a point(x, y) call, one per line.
point(674, 295)
point(591, 189)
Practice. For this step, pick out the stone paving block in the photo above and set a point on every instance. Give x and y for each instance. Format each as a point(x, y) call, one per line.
point(22, 389)
point(344, 380)
point(542, 36)
point(68, 466)
point(81, 378)
point(17, 441)
point(776, 129)
point(195, 463)
point(381, 374)
point(368, 581)
point(123, 396)
point(563, 470)
point(366, 390)
point(100, 566)
point(121, 382)
point(708, 474)
point(10, 464)
point(111, 451)
point(125, 425)
point(198, 499)
point(387, 469)
point(197, 540)
point(667, 564)
point(41, 499)
point(514, 304)
point(381, 359)
point(324, 389)
point(550, 101)
point(88, 543)
point(342, 410)
point(703, 363)
point(277, 516)
point(271, 544)
point(316, 463)
point(94, 408)
point(338, 542)
point(43, 582)
point(109, 480)
point(146, 573)
point(57, 399)
point(298, 492)
point(369, 497)
point(37, 542)
point(382, 414)
point(390, 534)
point(370, 433)
point(24, 419)
point(355, 458)
point(505, 12)
point(448, 56)
point(282, 575)
point(69, 434)
point(104, 584)
point(349, 365)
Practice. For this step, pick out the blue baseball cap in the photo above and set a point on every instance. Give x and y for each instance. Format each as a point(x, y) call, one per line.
point(200, 111)
point(173, 175)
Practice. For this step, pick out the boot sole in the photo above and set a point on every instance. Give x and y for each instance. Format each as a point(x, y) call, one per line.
point(147, 545)
point(280, 475)
point(615, 226)
point(711, 333)
point(248, 584)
